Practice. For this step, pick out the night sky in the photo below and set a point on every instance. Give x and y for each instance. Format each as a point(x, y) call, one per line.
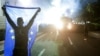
point(69, 8)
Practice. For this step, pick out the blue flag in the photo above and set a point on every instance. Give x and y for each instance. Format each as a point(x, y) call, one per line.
point(26, 14)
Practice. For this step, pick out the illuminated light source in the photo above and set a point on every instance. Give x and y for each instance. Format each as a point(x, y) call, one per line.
point(56, 2)
point(53, 13)
point(54, 18)
point(58, 25)
point(69, 26)
point(88, 22)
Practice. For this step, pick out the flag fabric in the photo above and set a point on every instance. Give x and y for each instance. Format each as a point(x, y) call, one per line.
point(14, 13)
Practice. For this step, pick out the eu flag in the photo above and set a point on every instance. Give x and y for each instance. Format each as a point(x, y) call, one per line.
point(26, 14)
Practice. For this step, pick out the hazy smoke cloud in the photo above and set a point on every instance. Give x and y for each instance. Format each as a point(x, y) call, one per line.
point(70, 8)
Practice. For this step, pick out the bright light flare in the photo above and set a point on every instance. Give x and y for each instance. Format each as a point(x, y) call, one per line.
point(69, 26)
point(24, 3)
point(53, 13)
point(56, 2)
point(58, 25)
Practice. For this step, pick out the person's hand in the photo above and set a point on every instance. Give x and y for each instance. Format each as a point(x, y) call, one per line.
point(3, 7)
point(39, 9)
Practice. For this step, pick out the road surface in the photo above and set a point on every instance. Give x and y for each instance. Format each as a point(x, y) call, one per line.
point(73, 44)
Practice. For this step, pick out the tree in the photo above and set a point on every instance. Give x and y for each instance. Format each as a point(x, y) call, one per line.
point(91, 12)
point(94, 12)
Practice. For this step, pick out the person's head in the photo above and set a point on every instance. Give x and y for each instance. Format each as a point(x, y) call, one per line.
point(20, 21)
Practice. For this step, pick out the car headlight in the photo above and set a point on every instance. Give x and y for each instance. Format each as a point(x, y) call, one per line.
point(69, 26)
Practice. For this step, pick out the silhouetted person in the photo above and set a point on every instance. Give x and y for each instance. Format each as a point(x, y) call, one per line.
point(21, 34)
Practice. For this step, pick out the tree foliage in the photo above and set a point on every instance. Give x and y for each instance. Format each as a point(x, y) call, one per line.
point(92, 12)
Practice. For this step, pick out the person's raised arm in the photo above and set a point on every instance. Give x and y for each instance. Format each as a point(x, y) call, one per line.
point(32, 19)
point(8, 17)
